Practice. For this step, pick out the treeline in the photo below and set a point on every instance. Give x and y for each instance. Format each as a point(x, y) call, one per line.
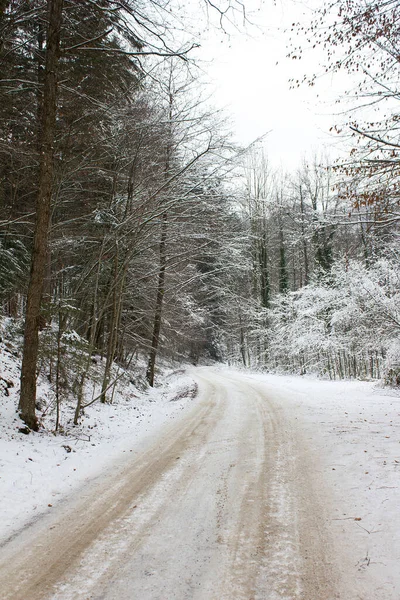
point(131, 225)
point(135, 165)
point(323, 281)
point(323, 277)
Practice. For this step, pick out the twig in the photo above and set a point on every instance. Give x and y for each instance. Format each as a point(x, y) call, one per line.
point(113, 382)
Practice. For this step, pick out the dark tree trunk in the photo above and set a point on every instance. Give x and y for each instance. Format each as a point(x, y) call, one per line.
point(264, 276)
point(242, 342)
point(43, 210)
point(114, 325)
point(283, 274)
point(159, 302)
point(304, 240)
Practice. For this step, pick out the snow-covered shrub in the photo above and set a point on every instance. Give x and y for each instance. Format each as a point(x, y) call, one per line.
point(341, 326)
point(392, 364)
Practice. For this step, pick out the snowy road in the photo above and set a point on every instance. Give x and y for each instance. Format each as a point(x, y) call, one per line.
point(224, 505)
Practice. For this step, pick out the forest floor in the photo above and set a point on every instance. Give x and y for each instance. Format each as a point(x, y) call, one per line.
point(259, 488)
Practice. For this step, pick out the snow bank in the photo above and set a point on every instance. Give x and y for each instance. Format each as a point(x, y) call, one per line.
point(40, 469)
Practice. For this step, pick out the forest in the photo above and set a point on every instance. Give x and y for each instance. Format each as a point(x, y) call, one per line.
point(131, 225)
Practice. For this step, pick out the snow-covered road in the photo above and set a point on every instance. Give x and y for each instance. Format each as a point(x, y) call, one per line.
point(229, 502)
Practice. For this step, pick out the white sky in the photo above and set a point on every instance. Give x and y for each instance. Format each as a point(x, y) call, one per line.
point(250, 73)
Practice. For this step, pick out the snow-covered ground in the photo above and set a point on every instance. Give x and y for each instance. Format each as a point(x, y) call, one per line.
point(352, 427)
point(40, 469)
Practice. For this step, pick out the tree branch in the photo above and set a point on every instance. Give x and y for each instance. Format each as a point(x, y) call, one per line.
point(373, 138)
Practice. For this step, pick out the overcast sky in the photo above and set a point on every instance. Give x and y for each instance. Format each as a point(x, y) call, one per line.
point(250, 75)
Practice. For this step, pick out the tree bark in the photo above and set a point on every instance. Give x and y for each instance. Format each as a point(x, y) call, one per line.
point(159, 301)
point(304, 239)
point(43, 211)
point(264, 276)
point(115, 317)
point(283, 274)
point(163, 257)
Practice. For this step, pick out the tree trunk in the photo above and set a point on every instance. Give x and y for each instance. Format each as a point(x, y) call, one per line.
point(61, 327)
point(114, 324)
point(283, 274)
point(264, 276)
point(43, 210)
point(159, 301)
point(304, 239)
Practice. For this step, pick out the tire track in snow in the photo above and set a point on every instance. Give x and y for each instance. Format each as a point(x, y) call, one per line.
point(221, 507)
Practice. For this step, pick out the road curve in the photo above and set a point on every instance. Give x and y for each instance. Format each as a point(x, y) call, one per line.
point(222, 506)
